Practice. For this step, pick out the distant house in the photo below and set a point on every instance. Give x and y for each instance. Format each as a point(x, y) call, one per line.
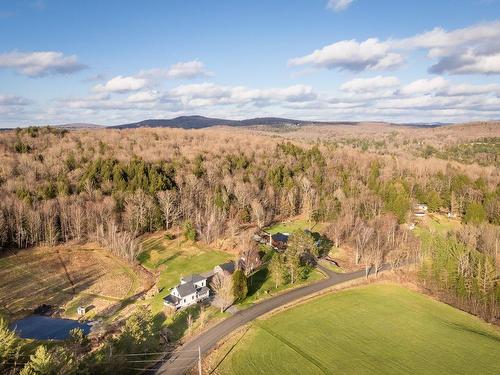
point(279, 240)
point(421, 207)
point(228, 268)
point(192, 289)
point(419, 213)
point(81, 310)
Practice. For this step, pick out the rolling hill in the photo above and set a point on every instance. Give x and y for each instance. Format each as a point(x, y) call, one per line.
point(198, 122)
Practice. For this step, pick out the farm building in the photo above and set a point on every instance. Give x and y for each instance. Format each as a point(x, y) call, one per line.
point(192, 289)
point(228, 267)
point(278, 241)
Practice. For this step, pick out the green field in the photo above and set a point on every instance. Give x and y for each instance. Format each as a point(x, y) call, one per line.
point(261, 285)
point(378, 329)
point(176, 258)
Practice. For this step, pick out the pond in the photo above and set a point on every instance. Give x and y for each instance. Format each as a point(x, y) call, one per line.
point(40, 327)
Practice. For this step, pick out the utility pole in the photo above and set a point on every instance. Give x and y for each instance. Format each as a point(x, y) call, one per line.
point(199, 360)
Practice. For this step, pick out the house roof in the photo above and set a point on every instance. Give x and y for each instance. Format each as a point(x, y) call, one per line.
point(185, 289)
point(172, 300)
point(228, 266)
point(208, 274)
point(281, 237)
point(192, 278)
point(203, 290)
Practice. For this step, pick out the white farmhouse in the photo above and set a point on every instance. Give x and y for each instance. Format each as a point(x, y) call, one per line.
point(192, 289)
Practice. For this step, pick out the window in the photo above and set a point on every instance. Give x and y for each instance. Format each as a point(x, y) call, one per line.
point(183, 300)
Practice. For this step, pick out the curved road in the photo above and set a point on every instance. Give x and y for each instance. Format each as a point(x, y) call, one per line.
point(185, 357)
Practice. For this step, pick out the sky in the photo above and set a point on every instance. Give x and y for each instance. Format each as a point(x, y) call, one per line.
point(114, 62)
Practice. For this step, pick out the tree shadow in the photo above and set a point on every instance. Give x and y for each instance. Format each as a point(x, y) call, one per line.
point(256, 280)
point(475, 331)
point(324, 243)
point(158, 321)
point(179, 324)
point(169, 259)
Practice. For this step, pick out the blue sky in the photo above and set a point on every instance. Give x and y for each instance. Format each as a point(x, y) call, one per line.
point(111, 62)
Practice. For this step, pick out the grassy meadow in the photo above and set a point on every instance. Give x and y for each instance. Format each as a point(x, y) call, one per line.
point(173, 258)
point(293, 225)
point(261, 285)
point(377, 329)
point(65, 277)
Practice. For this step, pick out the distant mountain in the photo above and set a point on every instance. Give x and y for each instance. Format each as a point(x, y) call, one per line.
point(79, 125)
point(425, 124)
point(198, 122)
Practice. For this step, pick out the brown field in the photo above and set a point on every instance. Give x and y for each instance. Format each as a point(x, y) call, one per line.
point(65, 277)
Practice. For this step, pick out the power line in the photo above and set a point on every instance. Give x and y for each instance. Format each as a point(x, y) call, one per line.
point(151, 353)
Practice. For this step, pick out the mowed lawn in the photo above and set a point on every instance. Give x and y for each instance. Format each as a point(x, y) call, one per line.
point(176, 258)
point(293, 225)
point(378, 329)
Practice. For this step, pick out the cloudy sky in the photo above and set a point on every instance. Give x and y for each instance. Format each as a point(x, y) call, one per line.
point(112, 62)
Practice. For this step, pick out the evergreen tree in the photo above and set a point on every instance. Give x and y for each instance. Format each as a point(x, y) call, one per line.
point(240, 286)
point(140, 333)
point(277, 269)
point(475, 213)
point(9, 347)
point(189, 231)
point(50, 362)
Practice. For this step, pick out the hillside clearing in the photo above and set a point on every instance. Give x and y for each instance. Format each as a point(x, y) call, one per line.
point(293, 225)
point(176, 258)
point(378, 329)
point(65, 277)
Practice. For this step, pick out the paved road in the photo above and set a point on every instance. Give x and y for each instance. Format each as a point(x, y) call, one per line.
point(185, 357)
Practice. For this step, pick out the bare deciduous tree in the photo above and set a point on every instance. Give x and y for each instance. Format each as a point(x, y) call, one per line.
point(169, 205)
point(362, 238)
point(222, 285)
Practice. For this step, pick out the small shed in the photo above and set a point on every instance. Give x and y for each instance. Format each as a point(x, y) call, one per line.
point(228, 268)
point(81, 310)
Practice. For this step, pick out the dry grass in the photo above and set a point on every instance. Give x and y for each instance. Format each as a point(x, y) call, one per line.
point(65, 277)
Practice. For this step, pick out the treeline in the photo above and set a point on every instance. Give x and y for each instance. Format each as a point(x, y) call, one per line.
point(90, 191)
point(483, 151)
point(461, 268)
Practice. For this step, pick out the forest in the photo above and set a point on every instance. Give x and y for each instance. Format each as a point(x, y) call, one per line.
point(113, 186)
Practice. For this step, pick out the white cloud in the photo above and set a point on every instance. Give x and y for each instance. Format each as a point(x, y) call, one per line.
point(468, 89)
point(424, 86)
point(153, 77)
point(370, 84)
point(13, 100)
point(339, 5)
point(473, 49)
point(144, 97)
point(470, 50)
point(189, 69)
point(121, 84)
point(204, 94)
point(352, 55)
point(37, 64)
